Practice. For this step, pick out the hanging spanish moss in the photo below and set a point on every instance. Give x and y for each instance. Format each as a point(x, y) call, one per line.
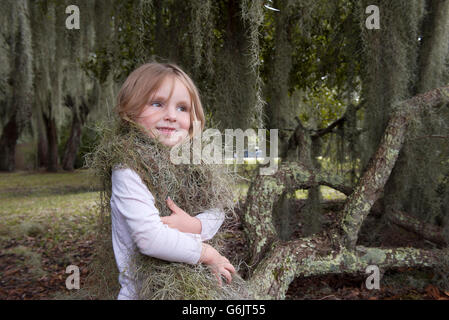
point(23, 77)
point(17, 98)
point(234, 85)
point(390, 63)
point(280, 112)
point(7, 25)
point(202, 13)
point(253, 15)
point(201, 58)
point(417, 184)
point(434, 46)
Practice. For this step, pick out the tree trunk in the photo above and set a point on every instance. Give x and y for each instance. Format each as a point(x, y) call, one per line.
point(42, 143)
point(73, 143)
point(8, 142)
point(333, 250)
point(50, 128)
point(21, 75)
point(435, 46)
point(380, 166)
point(280, 112)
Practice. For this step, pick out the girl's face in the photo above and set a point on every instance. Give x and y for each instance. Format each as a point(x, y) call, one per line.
point(167, 117)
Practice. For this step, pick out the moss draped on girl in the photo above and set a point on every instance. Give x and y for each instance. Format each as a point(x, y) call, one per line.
point(194, 188)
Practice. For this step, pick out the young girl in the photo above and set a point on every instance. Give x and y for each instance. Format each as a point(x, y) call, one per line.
point(163, 102)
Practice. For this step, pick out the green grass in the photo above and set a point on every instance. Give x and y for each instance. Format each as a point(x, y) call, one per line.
point(30, 182)
point(51, 205)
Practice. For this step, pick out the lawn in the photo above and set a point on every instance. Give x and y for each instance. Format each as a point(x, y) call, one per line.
point(47, 223)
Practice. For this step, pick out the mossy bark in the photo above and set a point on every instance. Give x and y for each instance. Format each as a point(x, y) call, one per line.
point(263, 194)
point(311, 256)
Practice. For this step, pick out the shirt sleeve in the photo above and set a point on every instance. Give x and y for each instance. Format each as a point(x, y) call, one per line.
point(211, 221)
point(135, 203)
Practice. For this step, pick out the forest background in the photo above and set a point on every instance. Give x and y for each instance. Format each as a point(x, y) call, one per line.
point(314, 70)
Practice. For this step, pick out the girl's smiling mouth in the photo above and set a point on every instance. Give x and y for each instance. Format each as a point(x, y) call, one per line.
point(166, 130)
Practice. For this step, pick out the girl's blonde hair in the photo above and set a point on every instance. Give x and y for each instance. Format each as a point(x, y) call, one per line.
point(143, 82)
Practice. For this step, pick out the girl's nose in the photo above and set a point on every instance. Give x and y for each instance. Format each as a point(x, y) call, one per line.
point(170, 115)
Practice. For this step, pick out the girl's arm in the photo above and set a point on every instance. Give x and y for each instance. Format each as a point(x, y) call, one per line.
point(211, 221)
point(206, 224)
point(134, 202)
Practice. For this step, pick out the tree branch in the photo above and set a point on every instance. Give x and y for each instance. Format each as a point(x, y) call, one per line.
point(334, 182)
point(379, 168)
point(410, 223)
point(321, 132)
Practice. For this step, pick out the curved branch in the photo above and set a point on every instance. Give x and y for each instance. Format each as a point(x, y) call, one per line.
point(334, 182)
point(321, 132)
point(410, 223)
point(381, 164)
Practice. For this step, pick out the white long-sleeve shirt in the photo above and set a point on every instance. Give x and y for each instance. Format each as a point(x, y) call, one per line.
point(136, 224)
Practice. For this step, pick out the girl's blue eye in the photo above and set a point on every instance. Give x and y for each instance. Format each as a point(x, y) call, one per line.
point(156, 104)
point(182, 108)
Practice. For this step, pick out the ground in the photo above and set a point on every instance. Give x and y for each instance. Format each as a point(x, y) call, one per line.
point(48, 223)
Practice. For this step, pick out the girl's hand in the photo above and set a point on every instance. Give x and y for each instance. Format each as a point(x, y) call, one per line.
point(219, 264)
point(181, 220)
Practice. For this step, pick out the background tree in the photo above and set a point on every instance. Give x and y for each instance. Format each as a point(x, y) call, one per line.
point(17, 90)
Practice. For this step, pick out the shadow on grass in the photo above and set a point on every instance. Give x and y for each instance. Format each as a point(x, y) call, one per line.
point(46, 191)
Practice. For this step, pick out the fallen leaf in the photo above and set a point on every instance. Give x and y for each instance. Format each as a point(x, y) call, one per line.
point(10, 272)
point(433, 291)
